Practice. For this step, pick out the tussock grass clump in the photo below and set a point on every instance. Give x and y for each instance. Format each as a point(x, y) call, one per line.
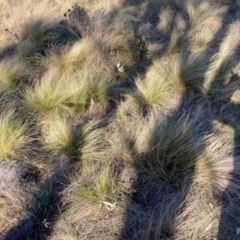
point(69, 92)
point(229, 48)
point(202, 11)
point(206, 20)
point(189, 73)
point(212, 193)
point(223, 74)
point(155, 89)
point(155, 139)
point(92, 197)
point(62, 137)
point(9, 215)
point(176, 41)
point(92, 143)
point(84, 53)
point(51, 92)
point(166, 17)
point(121, 145)
point(175, 74)
point(118, 34)
point(44, 32)
point(101, 189)
point(214, 168)
point(13, 137)
point(93, 87)
point(201, 36)
point(14, 73)
point(101, 88)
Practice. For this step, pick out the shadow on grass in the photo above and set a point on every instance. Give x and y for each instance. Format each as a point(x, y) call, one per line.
point(44, 208)
point(148, 208)
point(45, 203)
point(153, 205)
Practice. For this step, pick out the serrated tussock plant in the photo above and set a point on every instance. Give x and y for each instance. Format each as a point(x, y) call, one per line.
point(92, 142)
point(176, 41)
point(93, 87)
point(13, 135)
point(169, 147)
point(212, 182)
point(69, 92)
point(222, 78)
point(166, 17)
point(49, 93)
point(61, 136)
point(200, 11)
point(14, 73)
point(155, 89)
point(189, 73)
point(121, 145)
point(84, 53)
point(83, 199)
point(44, 32)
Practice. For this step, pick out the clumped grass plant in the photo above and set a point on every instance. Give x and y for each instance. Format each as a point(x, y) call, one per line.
point(144, 97)
point(155, 89)
point(176, 42)
point(211, 182)
point(62, 137)
point(101, 189)
point(222, 78)
point(155, 140)
point(134, 98)
point(189, 73)
point(84, 53)
point(70, 93)
point(91, 196)
point(43, 33)
point(14, 138)
point(202, 11)
point(121, 145)
point(166, 17)
point(92, 143)
point(50, 93)
point(14, 73)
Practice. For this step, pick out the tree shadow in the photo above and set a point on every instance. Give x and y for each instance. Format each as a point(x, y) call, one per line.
point(44, 208)
point(143, 208)
point(152, 207)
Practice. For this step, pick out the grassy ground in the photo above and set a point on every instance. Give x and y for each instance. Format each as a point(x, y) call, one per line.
point(119, 119)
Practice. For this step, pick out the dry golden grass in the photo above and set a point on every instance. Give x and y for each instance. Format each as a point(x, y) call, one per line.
point(14, 140)
point(212, 178)
point(154, 141)
point(14, 73)
point(84, 53)
point(158, 163)
point(10, 215)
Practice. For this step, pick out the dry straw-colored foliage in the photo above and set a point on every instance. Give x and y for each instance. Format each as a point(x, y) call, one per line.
point(127, 113)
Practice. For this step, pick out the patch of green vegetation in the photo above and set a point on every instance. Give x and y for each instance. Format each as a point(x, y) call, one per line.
point(131, 102)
